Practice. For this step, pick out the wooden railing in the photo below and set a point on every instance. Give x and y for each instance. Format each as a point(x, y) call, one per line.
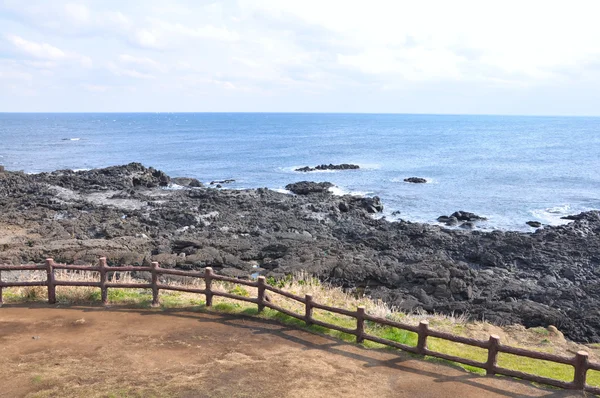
point(493, 346)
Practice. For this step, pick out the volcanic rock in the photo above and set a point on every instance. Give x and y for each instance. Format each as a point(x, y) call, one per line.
point(343, 166)
point(415, 180)
point(308, 187)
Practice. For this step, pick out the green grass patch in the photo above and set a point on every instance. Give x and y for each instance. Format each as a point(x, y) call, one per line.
point(459, 350)
point(239, 291)
point(541, 331)
point(177, 300)
point(593, 378)
point(138, 297)
point(537, 367)
point(391, 333)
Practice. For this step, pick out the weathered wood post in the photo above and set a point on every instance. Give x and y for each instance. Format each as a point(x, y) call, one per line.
point(154, 268)
point(492, 359)
point(102, 268)
point(261, 293)
point(581, 368)
point(422, 342)
point(360, 324)
point(208, 272)
point(50, 281)
point(308, 309)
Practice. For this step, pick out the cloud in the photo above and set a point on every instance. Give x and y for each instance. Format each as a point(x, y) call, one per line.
point(43, 51)
point(145, 38)
point(303, 51)
point(94, 88)
point(201, 32)
point(128, 72)
point(78, 13)
point(36, 50)
point(144, 62)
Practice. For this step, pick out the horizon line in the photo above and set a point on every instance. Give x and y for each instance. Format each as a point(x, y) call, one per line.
point(299, 113)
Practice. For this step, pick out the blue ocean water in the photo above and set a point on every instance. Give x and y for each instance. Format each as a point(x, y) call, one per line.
point(508, 168)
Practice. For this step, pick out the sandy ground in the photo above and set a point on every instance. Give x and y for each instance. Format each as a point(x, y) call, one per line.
point(86, 352)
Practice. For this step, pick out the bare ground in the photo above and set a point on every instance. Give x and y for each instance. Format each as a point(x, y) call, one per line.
point(90, 351)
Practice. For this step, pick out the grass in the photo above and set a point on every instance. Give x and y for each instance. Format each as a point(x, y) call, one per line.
point(540, 339)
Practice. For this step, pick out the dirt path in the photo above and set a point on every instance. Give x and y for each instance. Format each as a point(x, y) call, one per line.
point(87, 352)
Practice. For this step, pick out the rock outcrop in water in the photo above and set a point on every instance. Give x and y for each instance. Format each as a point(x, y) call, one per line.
point(343, 166)
point(415, 180)
point(308, 187)
point(548, 277)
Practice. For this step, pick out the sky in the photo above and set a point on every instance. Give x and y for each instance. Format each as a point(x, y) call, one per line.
point(523, 57)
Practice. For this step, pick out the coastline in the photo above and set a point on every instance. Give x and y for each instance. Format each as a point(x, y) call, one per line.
point(124, 213)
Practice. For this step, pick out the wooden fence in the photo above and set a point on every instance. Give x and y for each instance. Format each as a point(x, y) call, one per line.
point(493, 346)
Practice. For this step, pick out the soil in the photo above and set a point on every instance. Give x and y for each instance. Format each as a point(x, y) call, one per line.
point(90, 351)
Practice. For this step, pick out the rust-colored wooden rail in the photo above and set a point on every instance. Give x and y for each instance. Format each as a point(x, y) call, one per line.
point(493, 346)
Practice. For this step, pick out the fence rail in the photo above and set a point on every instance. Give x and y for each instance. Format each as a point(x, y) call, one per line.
point(493, 346)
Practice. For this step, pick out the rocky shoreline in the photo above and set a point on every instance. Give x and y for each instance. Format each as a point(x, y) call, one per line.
point(548, 277)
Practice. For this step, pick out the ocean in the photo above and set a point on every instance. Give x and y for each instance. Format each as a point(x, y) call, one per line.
point(511, 169)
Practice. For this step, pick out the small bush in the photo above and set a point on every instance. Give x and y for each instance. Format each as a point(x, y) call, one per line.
point(239, 291)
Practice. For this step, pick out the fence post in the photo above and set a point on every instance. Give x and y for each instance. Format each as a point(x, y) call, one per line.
point(581, 368)
point(154, 267)
point(50, 281)
point(360, 324)
point(103, 289)
point(422, 342)
point(492, 359)
point(261, 293)
point(208, 271)
point(308, 309)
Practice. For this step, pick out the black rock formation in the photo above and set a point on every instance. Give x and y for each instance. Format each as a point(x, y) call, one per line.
point(415, 180)
point(308, 187)
point(343, 166)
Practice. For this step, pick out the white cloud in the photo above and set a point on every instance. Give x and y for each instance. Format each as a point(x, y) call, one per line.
point(49, 55)
point(145, 38)
point(128, 72)
point(37, 50)
point(201, 32)
point(144, 62)
point(94, 88)
point(78, 13)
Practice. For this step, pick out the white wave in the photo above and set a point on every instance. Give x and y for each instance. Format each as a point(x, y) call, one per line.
point(552, 215)
point(77, 170)
point(173, 187)
point(74, 139)
point(564, 209)
point(282, 190)
point(337, 191)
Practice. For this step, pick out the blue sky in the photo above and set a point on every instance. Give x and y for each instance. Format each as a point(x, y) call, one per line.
point(475, 57)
